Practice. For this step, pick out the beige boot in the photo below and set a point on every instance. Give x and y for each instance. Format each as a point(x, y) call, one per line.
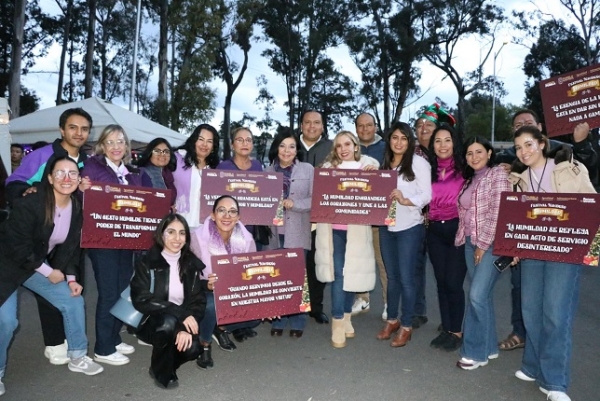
point(338, 338)
point(348, 329)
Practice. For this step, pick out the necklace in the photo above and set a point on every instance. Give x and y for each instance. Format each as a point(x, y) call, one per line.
point(540, 180)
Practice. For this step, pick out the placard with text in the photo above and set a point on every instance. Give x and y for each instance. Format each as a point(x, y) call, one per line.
point(353, 197)
point(571, 98)
point(260, 285)
point(549, 226)
point(121, 216)
point(259, 194)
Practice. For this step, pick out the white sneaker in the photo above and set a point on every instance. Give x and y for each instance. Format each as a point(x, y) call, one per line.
point(360, 306)
point(469, 364)
point(57, 355)
point(522, 376)
point(493, 356)
point(140, 342)
point(125, 349)
point(558, 396)
point(2, 388)
point(85, 365)
point(116, 359)
point(384, 313)
point(543, 390)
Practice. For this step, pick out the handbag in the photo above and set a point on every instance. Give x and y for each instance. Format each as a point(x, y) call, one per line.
point(262, 234)
point(124, 310)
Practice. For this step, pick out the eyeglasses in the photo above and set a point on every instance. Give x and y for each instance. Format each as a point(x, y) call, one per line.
point(529, 123)
point(61, 174)
point(161, 152)
point(224, 212)
point(242, 140)
point(115, 144)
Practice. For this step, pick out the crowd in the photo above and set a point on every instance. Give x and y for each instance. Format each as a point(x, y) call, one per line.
point(447, 208)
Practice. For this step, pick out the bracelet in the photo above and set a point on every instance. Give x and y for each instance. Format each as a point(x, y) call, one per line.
point(72, 281)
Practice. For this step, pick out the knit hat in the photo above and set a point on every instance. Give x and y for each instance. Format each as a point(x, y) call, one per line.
point(438, 115)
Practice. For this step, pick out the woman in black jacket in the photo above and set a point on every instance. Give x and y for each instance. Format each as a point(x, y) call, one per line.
point(174, 304)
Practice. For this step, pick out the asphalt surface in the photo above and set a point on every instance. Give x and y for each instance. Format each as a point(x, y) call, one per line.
point(282, 368)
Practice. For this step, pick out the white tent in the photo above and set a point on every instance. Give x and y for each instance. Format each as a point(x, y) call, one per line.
point(43, 124)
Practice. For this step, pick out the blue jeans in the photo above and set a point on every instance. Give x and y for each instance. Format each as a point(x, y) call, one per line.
point(400, 251)
point(516, 318)
point(550, 294)
point(479, 334)
point(341, 301)
point(209, 321)
point(113, 269)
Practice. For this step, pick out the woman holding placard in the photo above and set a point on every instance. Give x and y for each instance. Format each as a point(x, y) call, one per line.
point(549, 290)
point(344, 253)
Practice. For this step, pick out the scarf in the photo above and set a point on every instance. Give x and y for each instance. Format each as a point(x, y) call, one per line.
point(155, 174)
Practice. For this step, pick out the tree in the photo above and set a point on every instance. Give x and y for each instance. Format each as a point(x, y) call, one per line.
point(478, 117)
point(17, 50)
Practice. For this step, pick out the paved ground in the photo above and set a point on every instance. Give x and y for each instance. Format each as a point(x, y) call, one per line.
point(268, 368)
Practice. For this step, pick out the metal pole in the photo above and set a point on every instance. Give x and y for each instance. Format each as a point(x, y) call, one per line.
point(135, 51)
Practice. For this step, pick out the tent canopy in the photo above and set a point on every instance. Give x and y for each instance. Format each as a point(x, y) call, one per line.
point(43, 124)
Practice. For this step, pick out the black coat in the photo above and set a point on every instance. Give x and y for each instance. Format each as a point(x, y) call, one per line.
point(157, 302)
point(24, 241)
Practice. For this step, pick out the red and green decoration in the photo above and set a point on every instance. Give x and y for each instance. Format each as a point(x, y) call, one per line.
point(438, 115)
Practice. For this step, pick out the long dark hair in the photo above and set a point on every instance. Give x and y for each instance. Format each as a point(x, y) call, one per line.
point(280, 137)
point(50, 201)
point(144, 159)
point(468, 172)
point(456, 151)
point(519, 167)
point(220, 198)
point(190, 159)
point(186, 253)
point(405, 167)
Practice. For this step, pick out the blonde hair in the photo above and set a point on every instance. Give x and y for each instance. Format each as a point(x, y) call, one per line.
point(332, 158)
point(98, 150)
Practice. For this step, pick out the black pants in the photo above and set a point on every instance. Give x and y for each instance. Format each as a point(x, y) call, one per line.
point(315, 287)
point(51, 319)
point(450, 268)
point(161, 331)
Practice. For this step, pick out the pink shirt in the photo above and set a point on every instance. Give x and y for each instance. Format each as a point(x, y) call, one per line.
point(62, 223)
point(445, 192)
point(175, 284)
point(465, 198)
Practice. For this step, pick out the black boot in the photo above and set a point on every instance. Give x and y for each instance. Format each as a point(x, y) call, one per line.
point(205, 360)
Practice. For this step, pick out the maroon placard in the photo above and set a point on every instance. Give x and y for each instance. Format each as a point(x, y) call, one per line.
point(549, 226)
point(571, 98)
point(353, 197)
point(122, 216)
point(259, 285)
point(258, 193)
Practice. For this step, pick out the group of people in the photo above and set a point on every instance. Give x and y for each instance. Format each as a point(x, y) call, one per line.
point(446, 200)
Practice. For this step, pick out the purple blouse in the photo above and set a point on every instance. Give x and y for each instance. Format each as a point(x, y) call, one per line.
point(443, 205)
point(230, 165)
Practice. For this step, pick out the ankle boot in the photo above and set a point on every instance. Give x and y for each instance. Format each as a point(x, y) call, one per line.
point(205, 360)
point(403, 336)
point(338, 336)
point(348, 329)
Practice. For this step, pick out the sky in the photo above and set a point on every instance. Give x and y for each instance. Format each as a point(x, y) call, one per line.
point(509, 62)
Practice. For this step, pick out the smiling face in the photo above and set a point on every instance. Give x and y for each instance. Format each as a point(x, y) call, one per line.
point(225, 216)
point(345, 148)
point(529, 150)
point(75, 133)
point(64, 177)
point(312, 127)
point(398, 143)
point(443, 145)
point(115, 146)
point(366, 128)
point(243, 143)
point(174, 237)
point(424, 128)
point(161, 155)
point(477, 156)
point(204, 144)
point(286, 152)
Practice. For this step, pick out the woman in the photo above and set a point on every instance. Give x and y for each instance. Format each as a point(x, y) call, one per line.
point(175, 306)
point(549, 290)
point(447, 259)
point(242, 144)
point(39, 249)
point(297, 198)
point(158, 162)
point(222, 233)
point(113, 268)
point(344, 253)
point(200, 151)
point(478, 207)
point(401, 244)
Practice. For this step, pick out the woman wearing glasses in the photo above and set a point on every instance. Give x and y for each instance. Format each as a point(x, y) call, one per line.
point(39, 249)
point(112, 267)
point(242, 144)
point(158, 161)
point(200, 151)
point(221, 234)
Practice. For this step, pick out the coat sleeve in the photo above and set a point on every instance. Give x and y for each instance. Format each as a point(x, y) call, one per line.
point(303, 204)
point(498, 184)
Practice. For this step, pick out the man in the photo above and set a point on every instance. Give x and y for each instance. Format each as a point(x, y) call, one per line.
point(74, 126)
point(371, 144)
point(582, 151)
point(315, 148)
point(17, 151)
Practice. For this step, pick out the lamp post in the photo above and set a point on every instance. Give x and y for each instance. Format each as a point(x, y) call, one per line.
point(135, 52)
point(494, 93)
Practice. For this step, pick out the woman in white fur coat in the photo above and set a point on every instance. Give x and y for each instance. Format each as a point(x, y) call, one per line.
point(344, 253)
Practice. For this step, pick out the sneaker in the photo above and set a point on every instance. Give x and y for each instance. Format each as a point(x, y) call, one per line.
point(418, 321)
point(57, 355)
point(439, 340)
point(140, 342)
point(543, 390)
point(469, 364)
point(205, 360)
point(2, 388)
point(116, 359)
point(384, 314)
point(125, 349)
point(452, 343)
point(522, 376)
point(85, 365)
point(493, 356)
point(558, 396)
point(360, 306)
point(222, 339)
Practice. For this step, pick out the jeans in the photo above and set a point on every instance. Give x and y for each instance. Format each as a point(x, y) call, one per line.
point(400, 251)
point(479, 337)
point(8, 325)
point(516, 318)
point(450, 270)
point(113, 269)
point(550, 294)
point(209, 321)
point(341, 301)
